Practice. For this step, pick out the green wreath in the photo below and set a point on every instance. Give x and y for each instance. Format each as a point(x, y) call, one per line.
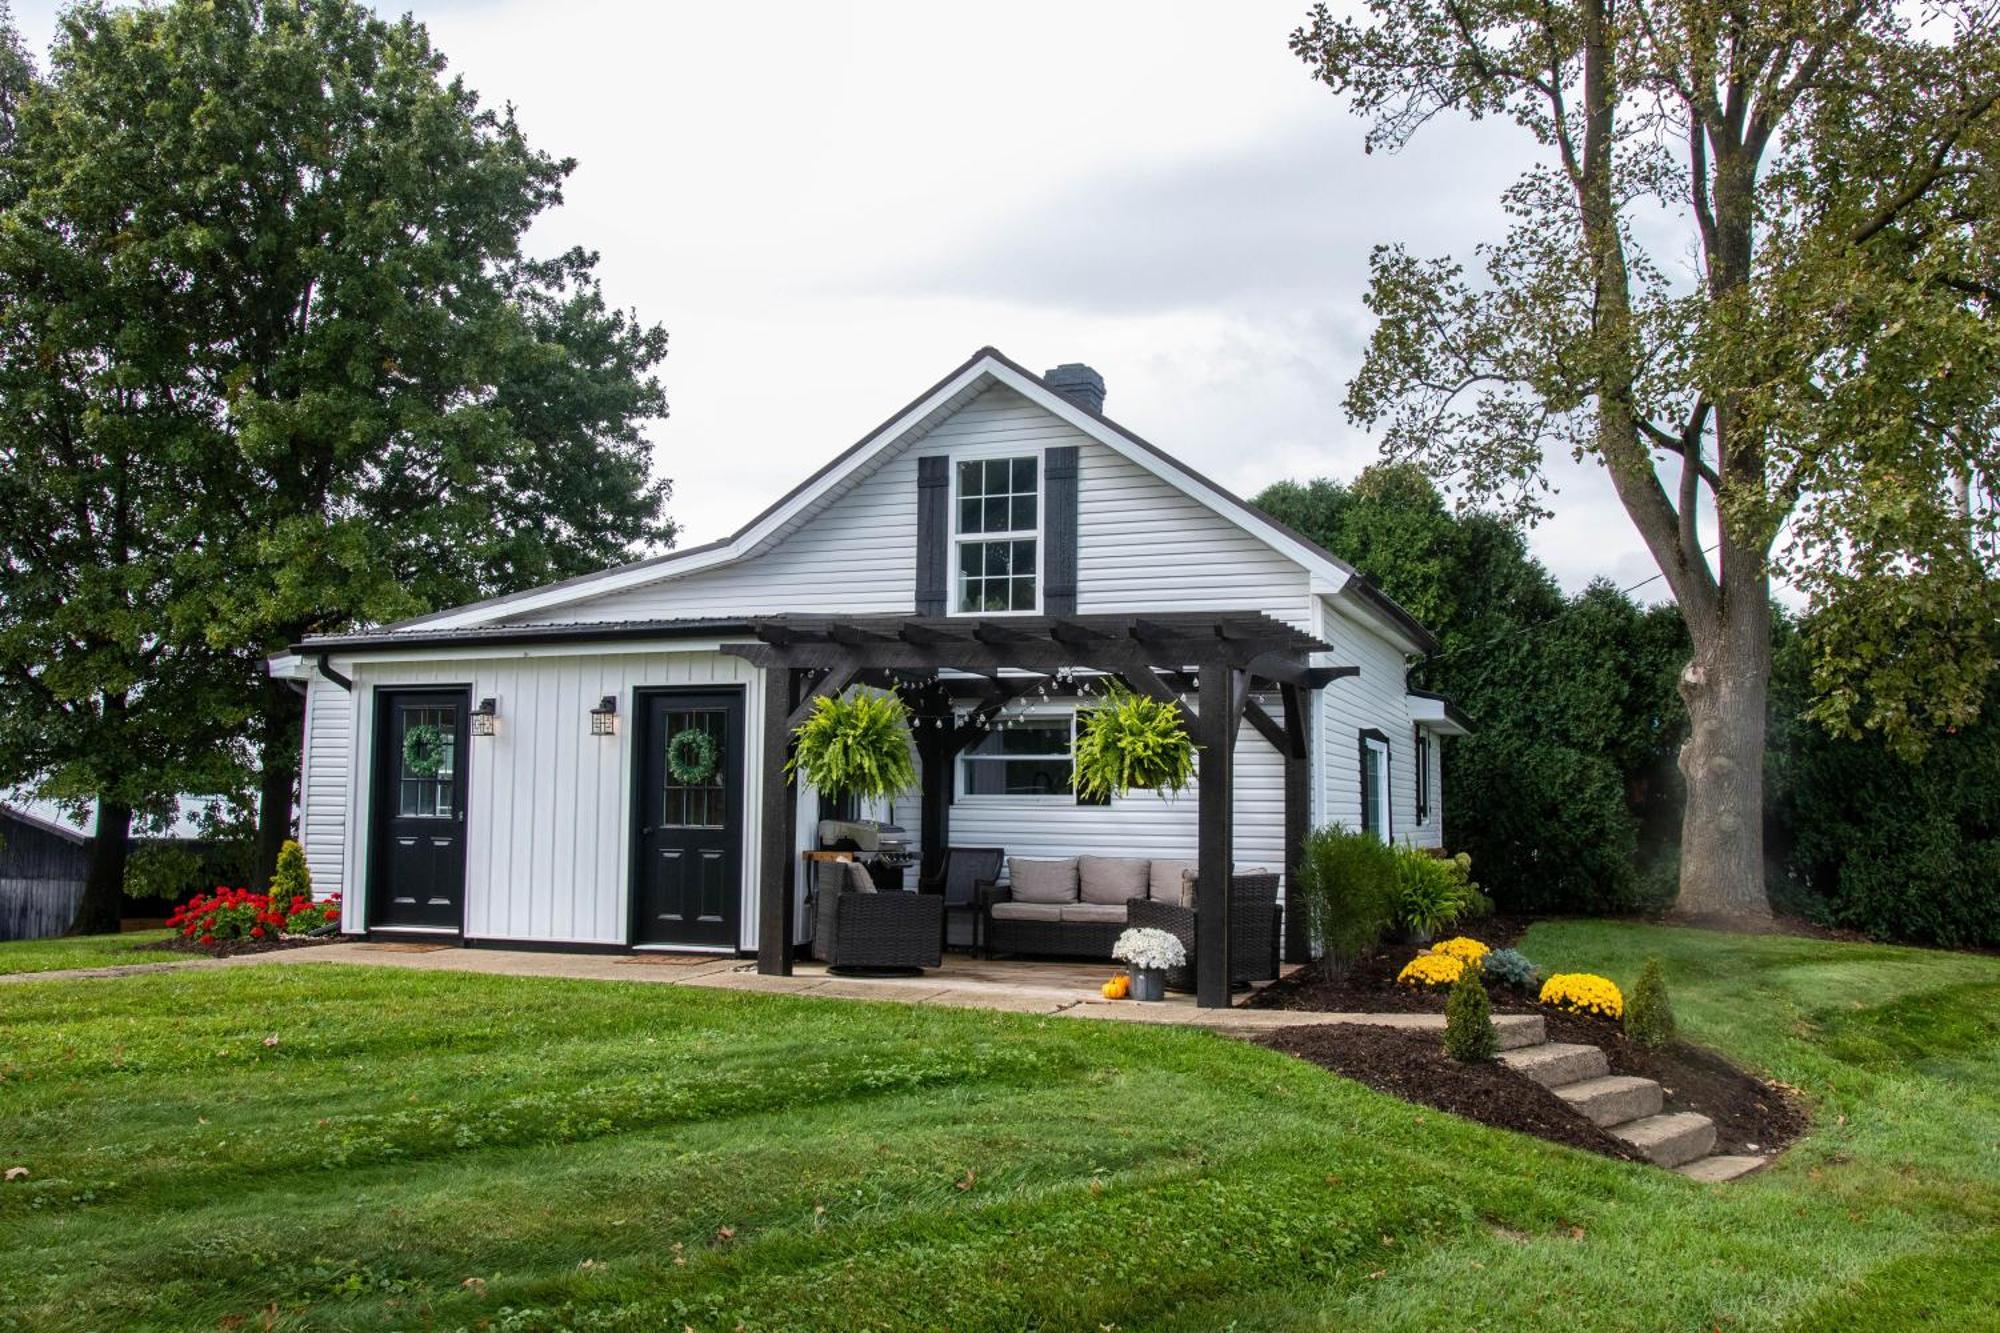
point(691, 756)
point(424, 750)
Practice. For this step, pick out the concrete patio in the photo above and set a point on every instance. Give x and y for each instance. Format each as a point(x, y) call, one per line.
point(1068, 990)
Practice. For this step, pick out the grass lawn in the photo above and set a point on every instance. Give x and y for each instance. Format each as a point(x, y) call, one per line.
point(462, 1151)
point(85, 951)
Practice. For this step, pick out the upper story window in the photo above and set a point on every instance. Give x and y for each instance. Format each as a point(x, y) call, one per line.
point(997, 515)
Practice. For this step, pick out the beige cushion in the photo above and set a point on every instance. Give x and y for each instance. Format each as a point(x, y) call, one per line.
point(1028, 911)
point(1115, 880)
point(1042, 881)
point(1172, 882)
point(1093, 912)
point(858, 878)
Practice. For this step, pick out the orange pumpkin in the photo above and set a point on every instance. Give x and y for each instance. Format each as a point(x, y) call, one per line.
point(1117, 988)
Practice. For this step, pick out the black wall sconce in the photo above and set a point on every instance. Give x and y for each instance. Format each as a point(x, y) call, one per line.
point(604, 717)
point(485, 716)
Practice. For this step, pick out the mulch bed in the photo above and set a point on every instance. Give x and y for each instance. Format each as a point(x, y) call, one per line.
point(1750, 1115)
point(234, 948)
point(1413, 1066)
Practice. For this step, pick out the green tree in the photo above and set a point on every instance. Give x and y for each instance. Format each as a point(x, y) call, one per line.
point(352, 396)
point(1826, 378)
point(1563, 791)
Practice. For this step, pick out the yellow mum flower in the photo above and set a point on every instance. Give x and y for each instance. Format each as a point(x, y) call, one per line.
point(1464, 948)
point(1428, 971)
point(1584, 993)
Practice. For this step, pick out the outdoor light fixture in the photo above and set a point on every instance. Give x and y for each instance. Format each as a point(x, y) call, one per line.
point(604, 717)
point(484, 716)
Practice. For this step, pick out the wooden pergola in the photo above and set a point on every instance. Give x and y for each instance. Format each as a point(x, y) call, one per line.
point(956, 673)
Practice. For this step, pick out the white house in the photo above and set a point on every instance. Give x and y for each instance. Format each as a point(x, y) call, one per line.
point(534, 804)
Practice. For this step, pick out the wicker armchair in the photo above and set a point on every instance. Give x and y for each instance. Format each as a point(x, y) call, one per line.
point(1256, 928)
point(855, 929)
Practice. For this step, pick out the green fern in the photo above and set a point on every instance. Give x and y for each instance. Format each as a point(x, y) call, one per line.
point(1131, 741)
point(856, 746)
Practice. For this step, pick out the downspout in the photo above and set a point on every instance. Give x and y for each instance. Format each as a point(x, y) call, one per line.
point(326, 669)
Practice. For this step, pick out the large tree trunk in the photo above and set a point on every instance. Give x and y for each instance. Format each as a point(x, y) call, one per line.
point(1725, 688)
point(103, 905)
point(279, 741)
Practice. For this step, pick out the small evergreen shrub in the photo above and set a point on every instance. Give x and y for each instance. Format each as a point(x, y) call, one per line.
point(1347, 889)
point(1649, 1016)
point(1468, 1020)
point(1512, 968)
point(292, 879)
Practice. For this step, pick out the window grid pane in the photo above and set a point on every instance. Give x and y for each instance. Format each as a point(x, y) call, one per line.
point(429, 795)
point(697, 804)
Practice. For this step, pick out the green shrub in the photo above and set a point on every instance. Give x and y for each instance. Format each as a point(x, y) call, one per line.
point(1512, 968)
point(856, 746)
point(1649, 1017)
point(1348, 890)
point(1468, 1020)
point(1433, 891)
point(1130, 740)
point(292, 879)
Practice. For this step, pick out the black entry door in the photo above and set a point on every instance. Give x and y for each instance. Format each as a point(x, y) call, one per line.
point(688, 872)
point(417, 875)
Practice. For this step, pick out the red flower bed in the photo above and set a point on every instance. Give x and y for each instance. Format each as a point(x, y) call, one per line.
point(239, 914)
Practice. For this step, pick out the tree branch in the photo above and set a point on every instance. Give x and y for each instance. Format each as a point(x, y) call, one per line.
point(1933, 172)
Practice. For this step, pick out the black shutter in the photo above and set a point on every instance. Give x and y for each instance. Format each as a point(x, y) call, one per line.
point(1059, 531)
point(933, 533)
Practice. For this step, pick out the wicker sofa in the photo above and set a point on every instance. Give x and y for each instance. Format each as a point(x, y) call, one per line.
point(854, 926)
point(1077, 906)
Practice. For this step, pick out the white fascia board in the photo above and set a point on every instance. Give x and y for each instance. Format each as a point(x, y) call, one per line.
point(1432, 715)
point(737, 547)
point(349, 660)
point(288, 666)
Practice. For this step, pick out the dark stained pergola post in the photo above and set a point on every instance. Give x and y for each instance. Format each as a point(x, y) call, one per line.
point(1298, 817)
point(776, 917)
point(1222, 695)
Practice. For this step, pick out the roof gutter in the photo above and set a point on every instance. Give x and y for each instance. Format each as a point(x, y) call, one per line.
point(522, 636)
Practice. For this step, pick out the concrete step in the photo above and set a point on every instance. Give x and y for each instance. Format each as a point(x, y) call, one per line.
point(1721, 1167)
point(1555, 1063)
point(1613, 1099)
point(1669, 1140)
point(1518, 1030)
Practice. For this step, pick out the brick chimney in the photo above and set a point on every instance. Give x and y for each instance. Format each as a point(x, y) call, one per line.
point(1078, 383)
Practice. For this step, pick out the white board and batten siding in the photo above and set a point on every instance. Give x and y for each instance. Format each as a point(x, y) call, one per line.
point(548, 829)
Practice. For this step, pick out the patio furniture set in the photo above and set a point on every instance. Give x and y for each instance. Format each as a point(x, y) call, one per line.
point(1067, 907)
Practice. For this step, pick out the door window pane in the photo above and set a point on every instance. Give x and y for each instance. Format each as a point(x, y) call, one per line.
point(689, 803)
point(427, 740)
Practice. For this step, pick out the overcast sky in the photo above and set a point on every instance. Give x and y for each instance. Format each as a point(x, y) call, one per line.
point(831, 205)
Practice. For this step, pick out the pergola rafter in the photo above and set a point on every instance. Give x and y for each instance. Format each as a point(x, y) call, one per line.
point(1221, 657)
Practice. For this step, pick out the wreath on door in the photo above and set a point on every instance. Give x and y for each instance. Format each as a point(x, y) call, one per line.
point(424, 750)
point(691, 756)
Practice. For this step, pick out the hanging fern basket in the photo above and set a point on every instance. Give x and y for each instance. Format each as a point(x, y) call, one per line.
point(1131, 741)
point(856, 746)
point(691, 756)
point(424, 750)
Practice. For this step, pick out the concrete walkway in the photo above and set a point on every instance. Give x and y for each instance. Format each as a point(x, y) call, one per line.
point(1067, 990)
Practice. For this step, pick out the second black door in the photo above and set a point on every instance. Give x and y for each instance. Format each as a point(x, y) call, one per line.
point(688, 883)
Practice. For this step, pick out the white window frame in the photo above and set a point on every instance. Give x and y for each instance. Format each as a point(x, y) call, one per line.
point(1383, 787)
point(960, 793)
point(959, 539)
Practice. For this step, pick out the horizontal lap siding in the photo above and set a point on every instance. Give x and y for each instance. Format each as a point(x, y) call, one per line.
point(548, 816)
point(1141, 824)
point(1144, 545)
point(326, 779)
point(1375, 698)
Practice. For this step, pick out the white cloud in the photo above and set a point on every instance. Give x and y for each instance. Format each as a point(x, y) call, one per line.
point(831, 204)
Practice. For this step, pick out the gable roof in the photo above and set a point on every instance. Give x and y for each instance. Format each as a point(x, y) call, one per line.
point(987, 367)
